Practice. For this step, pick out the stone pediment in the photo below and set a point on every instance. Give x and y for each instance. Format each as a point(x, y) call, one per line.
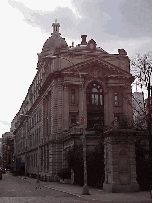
point(96, 68)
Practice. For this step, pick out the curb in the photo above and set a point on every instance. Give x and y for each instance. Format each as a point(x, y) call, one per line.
point(79, 196)
point(56, 189)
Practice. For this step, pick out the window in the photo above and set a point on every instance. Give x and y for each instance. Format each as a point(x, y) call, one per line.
point(47, 157)
point(72, 96)
point(41, 159)
point(116, 99)
point(94, 95)
point(36, 159)
point(117, 117)
point(73, 119)
point(95, 105)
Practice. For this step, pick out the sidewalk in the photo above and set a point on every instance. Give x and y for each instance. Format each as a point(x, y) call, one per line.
point(95, 194)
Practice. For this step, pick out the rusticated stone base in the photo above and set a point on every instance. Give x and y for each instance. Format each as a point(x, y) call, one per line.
point(117, 188)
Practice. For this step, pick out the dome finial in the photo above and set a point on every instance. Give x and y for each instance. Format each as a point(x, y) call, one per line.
point(56, 26)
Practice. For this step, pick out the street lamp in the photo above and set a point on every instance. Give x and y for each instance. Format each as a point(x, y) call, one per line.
point(85, 187)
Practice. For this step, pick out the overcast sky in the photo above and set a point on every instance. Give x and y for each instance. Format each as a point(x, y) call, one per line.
point(26, 24)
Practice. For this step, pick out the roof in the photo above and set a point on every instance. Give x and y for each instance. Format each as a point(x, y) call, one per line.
point(55, 41)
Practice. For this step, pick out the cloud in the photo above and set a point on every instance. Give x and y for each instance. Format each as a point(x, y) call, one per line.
point(123, 18)
point(5, 123)
point(102, 20)
point(44, 19)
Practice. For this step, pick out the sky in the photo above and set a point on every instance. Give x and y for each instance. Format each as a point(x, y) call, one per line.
point(27, 24)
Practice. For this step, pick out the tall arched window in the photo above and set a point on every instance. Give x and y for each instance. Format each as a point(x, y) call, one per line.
point(95, 105)
point(94, 94)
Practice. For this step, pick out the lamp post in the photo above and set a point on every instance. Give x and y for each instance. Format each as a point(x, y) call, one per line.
point(85, 187)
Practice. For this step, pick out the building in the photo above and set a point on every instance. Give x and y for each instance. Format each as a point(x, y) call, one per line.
point(74, 87)
point(7, 149)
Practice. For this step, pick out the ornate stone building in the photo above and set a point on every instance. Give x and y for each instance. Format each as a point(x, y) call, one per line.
point(73, 87)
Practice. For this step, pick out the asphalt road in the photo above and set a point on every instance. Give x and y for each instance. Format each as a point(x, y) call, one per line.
point(14, 190)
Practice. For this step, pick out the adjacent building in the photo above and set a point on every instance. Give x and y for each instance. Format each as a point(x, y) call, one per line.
point(74, 87)
point(7, 149)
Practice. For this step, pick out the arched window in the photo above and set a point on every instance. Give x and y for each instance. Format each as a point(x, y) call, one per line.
point(95, 105)
point(94, 95)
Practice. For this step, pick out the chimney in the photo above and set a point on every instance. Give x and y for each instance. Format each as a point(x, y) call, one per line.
point(83, 39)
point(72, 44)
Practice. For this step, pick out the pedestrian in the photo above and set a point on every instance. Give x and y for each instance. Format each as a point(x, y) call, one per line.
point(37, 183)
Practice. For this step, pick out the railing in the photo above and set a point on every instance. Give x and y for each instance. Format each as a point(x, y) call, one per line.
point(76, 130)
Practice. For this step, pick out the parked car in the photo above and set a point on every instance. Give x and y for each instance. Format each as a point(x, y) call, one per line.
point(1, 171)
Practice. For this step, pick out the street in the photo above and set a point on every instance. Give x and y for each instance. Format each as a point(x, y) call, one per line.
point(14, 190)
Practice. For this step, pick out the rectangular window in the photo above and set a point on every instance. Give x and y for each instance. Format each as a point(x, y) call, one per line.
point(36, 160)
point(116, 99)
point(72, 96)
point(41, 159)
point(31, 160)
point(47, 157)
point(73, 119)
point(117, 117)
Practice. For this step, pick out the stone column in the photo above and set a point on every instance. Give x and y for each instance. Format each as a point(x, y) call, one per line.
point(109, 104)
point(54, 110)
point(106, 108)
point(120, 164)
point(59, 105)
point(66, 108)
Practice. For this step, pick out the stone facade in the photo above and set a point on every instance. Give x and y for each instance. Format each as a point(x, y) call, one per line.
point(73, 87)
point(120, 163)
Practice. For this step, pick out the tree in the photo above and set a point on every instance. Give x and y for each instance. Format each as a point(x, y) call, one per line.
point(95, 164)
point(141, 69)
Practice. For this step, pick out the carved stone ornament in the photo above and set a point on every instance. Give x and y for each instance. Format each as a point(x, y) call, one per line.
point(91, 46)
point(96, 73)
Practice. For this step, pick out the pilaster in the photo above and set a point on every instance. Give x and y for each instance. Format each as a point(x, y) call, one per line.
point(59, 105)
point(82, 103)
point(66, 107)
point(54, 110)
point(109, 104)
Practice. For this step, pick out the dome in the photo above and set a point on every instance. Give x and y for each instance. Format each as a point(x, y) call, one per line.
point(55, 40)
